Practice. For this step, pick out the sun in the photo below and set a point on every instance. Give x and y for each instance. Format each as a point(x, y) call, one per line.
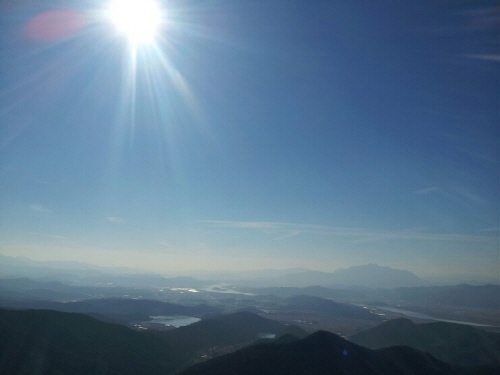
point(138, 20)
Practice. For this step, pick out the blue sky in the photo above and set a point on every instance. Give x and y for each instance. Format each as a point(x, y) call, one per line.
point(254, 134)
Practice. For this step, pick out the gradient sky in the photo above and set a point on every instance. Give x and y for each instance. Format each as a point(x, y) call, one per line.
point(254, 134)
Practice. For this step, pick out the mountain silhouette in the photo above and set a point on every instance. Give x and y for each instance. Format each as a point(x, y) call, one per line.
point(328, 307)
point(454, 343)
point(232, 328)
point(368, 276)
point(324, 353)
point(52, 342)
point(118, 310)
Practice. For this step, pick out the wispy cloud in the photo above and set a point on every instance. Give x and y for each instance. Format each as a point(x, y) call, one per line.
point(429, 190)
point(490, 230)
point(283, 230)
point(453, 192)
point(46, 235)
point(467, 194)
point(166, 244)
point(40, 208)
point(264, 225)
point(116, 220)
point(419, 236)
point(490, 57)
point(290, 234)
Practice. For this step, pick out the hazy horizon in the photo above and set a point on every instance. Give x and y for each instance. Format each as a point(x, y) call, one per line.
point(230, 274)
point(254, 135)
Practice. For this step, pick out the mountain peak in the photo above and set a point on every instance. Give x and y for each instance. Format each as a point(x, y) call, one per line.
point(321, 353)
point(443, 340)
point(365, 276)
point(324, 340)
point(376, 276)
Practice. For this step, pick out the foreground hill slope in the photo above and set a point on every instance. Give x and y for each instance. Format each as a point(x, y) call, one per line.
point(51, 342)
point(454, 343)
point(323, 353)
point(228, 330)
point(327, 307)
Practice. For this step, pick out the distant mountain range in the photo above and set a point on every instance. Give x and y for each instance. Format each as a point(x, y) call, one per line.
point(322, 306)
point(119, 310)
point(324, 353)
point(41, 289)
point(464, 295)
point(317, 291)
point(77, 273)
point(44, 290)
point(84, 274)
point(457, 344)
point(367, 276)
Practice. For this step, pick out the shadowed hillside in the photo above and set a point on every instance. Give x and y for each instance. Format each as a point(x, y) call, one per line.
point(242, 327)
point(51, 342)
point(328, 307)
point(118, 310)
point(459, 344)
point(323, 353)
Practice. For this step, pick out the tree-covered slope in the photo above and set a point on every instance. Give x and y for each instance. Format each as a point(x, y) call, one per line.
point(323, 353)
point(454, 343)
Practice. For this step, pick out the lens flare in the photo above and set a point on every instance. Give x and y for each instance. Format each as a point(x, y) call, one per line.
point(55, 25)
point(138, 20)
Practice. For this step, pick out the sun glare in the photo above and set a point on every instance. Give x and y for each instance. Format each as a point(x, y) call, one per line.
point(138, 20)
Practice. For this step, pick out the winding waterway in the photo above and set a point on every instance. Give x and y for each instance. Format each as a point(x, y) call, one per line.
point(174, 320)
point(417, 315)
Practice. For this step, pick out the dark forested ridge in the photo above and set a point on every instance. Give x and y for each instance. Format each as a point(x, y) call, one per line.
point(242, 327)
point(52, 342)
point(324, 353)
point(119, 310)
point(321, 353)
point(454, 343)
point(47, 342)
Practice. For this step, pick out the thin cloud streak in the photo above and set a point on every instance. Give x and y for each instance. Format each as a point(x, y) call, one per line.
point(263, 225)
point(291, 234)
point(490, 230)
point(116, 220)
point(40, 208)
point(356, 234)
point(429, 190)
point(492, 57)
point(166, 244)
point(53, 236)
point(454, 192)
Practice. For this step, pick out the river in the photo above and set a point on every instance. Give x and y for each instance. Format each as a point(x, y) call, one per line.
point(417, 315)
point(224, 288)
point(174, 320)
